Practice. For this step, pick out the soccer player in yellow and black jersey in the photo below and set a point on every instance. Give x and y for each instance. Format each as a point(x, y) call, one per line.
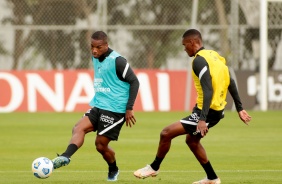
point(212, 82)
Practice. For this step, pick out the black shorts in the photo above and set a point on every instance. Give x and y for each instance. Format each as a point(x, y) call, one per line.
point(105, 122)
point(190, 122)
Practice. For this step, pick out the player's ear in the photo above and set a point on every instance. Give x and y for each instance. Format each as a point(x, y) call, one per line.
point(196, 41)
point(192, 41)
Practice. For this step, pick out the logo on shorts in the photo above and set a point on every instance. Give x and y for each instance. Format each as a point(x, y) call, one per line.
point(194, 117)
point(107, 120)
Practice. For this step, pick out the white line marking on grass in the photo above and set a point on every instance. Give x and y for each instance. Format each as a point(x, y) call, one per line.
point(174, 171)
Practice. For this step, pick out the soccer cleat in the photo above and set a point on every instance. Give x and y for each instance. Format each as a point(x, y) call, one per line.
point(113, 175)
point(60, 161)
point(207, 181)
point(146, 172)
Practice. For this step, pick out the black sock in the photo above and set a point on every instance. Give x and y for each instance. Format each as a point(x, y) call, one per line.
point(71, 149)
point(209, 170)
point(113, 166)
point(156, 164)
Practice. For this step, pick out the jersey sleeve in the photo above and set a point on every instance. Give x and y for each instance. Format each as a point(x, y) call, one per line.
point(232, 88)
point(201, 70)
point(126, 74)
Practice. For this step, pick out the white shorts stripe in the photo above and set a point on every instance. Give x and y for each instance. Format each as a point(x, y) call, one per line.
point(112, 126)
point(190, 122)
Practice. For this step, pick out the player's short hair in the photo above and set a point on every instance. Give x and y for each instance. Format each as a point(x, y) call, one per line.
point(192, 32)
point(100, 35)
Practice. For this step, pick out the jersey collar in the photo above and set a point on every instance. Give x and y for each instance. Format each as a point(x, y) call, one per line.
point(102, 57)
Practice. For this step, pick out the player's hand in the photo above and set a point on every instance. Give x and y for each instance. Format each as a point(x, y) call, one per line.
point(245, 117)
point(202, 128)
point(129, 118)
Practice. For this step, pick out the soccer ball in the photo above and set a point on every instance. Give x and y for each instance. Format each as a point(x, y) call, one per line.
point(42, 167)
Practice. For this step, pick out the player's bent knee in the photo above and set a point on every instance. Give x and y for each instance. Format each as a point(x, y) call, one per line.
point(100, 148)
point(165, 134)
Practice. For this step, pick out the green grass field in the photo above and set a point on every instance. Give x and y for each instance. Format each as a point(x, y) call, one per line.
point(239, 153)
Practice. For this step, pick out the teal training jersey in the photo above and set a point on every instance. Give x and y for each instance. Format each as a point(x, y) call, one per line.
point(110, 92)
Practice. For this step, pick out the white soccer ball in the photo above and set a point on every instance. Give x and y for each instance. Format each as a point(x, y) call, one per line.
point(42, 167)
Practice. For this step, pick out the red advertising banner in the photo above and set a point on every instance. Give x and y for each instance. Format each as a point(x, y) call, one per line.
point(68, 91)
point(160, 90)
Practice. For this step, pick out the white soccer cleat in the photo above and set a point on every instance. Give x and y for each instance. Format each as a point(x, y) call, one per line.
point(146, 172)
point(207, 181)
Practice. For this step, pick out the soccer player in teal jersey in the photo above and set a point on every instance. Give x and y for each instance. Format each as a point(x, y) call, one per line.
point(116, 87)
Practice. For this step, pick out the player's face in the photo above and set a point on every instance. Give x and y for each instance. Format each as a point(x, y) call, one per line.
point(98, 48)
point(188, 46)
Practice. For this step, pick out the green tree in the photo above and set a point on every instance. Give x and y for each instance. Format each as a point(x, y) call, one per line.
point(56, 46)
point(151, 47)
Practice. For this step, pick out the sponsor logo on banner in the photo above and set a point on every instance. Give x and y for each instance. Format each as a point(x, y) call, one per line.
point(69, 91)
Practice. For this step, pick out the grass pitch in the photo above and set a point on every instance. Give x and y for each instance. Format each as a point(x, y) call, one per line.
point(238, 153)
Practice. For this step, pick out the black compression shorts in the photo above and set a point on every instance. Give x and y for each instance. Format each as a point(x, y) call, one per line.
point(105, 122)
point(190, 122)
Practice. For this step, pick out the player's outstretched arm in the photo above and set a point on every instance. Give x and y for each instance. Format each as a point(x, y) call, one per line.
point(244, 116)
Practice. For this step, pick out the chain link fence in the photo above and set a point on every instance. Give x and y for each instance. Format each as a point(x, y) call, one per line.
point(55, 34)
